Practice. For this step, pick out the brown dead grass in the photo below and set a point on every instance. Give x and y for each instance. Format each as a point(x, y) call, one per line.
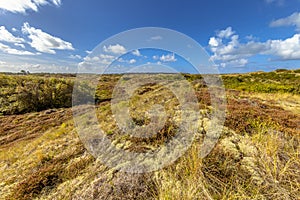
point(16, 128)
point(242, 109)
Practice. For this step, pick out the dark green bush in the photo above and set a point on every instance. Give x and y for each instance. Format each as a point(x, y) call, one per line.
point(22, 94)
point(272, 82)
point(281, 70)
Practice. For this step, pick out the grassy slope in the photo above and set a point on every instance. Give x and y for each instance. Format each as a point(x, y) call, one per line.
point(257, 156)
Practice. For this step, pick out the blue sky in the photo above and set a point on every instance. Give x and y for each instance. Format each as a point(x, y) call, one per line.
point(239, 36)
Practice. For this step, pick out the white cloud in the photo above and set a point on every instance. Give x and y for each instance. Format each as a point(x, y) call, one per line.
point(102, 59)
point(20, 45)
point(92, 59)
point(6, 36)
point(92, 66)
point(108, 57)
point(15, 63)
point(75, 57)
point(250, 38)
point(7, 49)
point(165, 58)
point(56, 2)
point(21, 6)
point(168, 58)
point(115, 49)
point(237, 63)
point(232, 52)
point(44, 42)
point(136, 53)
point(288, 49)
point(14, 30)
point(88, 52)
point(227, 33)
point(132, 61)
point(214, 42)
point(292, 20)
point(155, 57)
point(2, 63)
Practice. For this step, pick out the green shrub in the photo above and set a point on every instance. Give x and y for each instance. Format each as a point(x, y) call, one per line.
point(272, 82)
point(22, 94)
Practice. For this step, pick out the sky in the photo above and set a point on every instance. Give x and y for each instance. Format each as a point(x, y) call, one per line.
point(59, 36)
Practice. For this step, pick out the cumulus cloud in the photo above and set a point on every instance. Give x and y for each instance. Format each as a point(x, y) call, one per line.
point(102, 59)
point(226, 33)
point(6, 36)
point(132, 61)
point(21, 6)
point(108, 57)
point(115, 49)
point(214, 42)
point(168, 58)
point(9, 50)
point(236, 63)
point(44, 42)
point(288, 49)
point(234, 53)
point(292, 20)
point(75, 57)
point(91, 59)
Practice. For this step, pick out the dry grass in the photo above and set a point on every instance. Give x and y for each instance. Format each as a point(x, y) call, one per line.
point(16, 128)
point(257, 156)
point(286, 101)
point(260, 166)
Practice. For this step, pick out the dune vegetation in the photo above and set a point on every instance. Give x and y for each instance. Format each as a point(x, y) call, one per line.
point(256, 157)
